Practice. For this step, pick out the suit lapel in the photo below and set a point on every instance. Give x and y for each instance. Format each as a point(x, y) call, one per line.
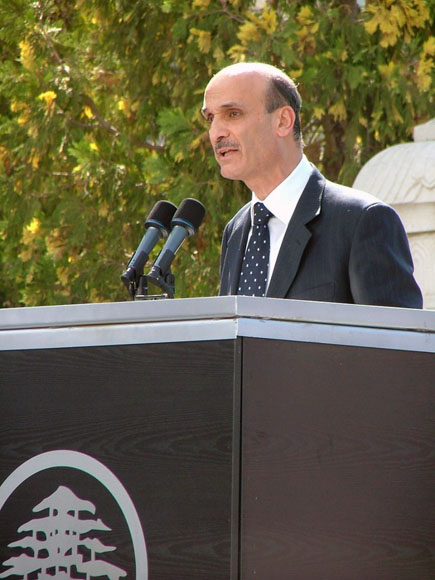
point(235, 250)
point(296, 237)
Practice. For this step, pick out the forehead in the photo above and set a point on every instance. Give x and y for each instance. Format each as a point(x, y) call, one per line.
point(225, 90)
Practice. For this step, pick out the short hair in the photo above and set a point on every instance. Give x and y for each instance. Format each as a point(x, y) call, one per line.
point(283, 91)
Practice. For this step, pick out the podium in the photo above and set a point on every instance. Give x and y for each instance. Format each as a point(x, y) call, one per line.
point(217, 438)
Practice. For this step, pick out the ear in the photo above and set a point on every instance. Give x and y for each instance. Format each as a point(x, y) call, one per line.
point(285, 121)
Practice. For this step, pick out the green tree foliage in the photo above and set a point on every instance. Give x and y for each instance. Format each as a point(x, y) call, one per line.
point(99, 119)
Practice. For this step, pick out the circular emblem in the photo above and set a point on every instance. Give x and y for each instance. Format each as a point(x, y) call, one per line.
point(67, 541)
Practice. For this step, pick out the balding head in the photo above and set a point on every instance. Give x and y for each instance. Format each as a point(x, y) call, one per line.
point(280, 89)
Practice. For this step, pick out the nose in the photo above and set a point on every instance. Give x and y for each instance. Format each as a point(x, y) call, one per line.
point(218, 130)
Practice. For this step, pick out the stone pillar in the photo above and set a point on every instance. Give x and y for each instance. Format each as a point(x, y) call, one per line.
point(404, 177)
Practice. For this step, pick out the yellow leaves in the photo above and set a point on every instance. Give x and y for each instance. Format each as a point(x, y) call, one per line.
point(18, 187)
point(296, 73)
point(249, 32)
point(429, 46)
point(3, 151)
point(416, 13)
point(237, 53)
point(338, 111)
point(23, 118)
point(389, 73)
point(425, 65)
point(34, 159)
point(34, 226)
point(55, 243)
point(23, 109)
point(308, 29)
point(424, 78)
point(269, 21)
point(318, 112)
point(48, 97)
point(155, 79)
point(127, 106)
point(32, 131)
point(218, 54)
point(29, 238)
point(27, 56)
point(266, 22)
point(253, 30)
point(305, 16)
point(17, 106)
point(123, 104)
point(387, 69)
point(87, 112)
point(396, 19)
point(203, 38)
point(93, 146)
point(195, 143)
point(202, 4)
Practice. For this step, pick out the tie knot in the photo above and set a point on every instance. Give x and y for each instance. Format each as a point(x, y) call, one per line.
point(261, 214)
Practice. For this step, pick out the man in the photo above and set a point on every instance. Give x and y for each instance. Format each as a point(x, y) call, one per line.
point(322, 241)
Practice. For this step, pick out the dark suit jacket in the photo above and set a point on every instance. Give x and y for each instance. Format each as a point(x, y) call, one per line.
point(341, 245)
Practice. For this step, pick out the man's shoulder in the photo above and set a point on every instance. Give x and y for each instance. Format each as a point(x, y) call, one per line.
point(349, 197)
point(346, 205)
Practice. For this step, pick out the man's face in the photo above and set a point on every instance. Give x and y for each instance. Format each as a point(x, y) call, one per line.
point(241, 132)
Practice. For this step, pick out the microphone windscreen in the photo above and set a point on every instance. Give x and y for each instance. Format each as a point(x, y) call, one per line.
point(161, 215)
point(190, 213)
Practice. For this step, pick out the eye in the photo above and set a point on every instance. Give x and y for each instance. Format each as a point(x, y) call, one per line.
point(234, 113)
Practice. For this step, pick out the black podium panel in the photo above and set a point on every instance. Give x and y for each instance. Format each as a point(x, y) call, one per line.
point(160, 417)
point(338, 471)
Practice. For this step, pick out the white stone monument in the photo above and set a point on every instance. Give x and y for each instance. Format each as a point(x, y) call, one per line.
point(404, 177)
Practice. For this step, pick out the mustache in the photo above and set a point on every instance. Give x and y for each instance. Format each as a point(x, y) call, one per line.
point(225, 143)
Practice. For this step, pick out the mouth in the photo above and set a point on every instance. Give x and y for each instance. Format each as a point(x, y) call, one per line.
point(225, 152)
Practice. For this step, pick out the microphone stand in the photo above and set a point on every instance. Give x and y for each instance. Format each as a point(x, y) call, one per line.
point(166, 282)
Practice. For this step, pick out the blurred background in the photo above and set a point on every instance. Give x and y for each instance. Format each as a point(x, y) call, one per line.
point(100, 118)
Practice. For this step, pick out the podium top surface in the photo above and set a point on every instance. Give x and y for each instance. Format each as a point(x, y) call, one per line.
point(216, 318)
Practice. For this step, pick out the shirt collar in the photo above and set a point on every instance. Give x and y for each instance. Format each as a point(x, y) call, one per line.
point(283, 199)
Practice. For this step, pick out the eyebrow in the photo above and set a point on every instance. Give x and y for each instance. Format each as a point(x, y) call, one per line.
point(229, 105)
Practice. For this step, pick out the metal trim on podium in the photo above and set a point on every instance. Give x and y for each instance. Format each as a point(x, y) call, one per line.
point(216, 318)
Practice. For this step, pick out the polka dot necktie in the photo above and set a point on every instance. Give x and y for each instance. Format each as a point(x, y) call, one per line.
point(253, 276)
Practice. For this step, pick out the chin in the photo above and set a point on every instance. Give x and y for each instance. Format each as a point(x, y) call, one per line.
point(229, 174)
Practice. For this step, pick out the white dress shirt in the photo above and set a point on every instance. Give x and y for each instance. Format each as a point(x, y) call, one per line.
point(282, 202)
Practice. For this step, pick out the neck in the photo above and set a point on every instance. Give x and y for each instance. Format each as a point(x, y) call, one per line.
point(263, 186)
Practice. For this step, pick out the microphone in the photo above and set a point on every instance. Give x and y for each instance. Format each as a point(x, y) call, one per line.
point(185, 223)
point(158, 224)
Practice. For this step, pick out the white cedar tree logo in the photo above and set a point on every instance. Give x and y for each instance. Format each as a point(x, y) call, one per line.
point(54, 542)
